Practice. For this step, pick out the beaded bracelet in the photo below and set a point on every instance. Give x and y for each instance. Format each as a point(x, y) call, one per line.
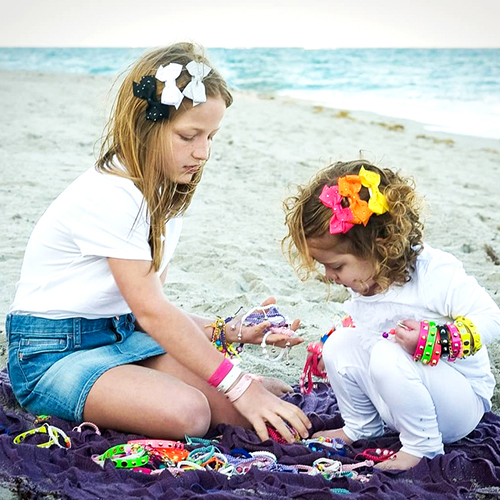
point(474, 332)
point(220, 342)
point(431, 341)
point(422, 340)
point(465, 336)
point(455, 342)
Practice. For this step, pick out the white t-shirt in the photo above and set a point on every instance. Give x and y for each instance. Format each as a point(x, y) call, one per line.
point(65, 271)
point(439, 291)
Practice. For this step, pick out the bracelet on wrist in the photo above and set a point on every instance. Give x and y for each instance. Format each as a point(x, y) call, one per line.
point(476, 338)
point(220, 342)
point(444, 339)
point(427, 355)
point(455, 342)
point(422, 340)
point(465, 336)
point(239, 388)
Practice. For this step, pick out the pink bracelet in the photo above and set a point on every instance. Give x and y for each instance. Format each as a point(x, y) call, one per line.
point(241, 386)
point(455, 342)
point(157, 443)
point(422, 340)
point(220, 374)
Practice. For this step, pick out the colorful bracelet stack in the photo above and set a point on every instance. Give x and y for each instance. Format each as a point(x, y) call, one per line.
point(219, 339)
point(455, 340)
point(230, 380)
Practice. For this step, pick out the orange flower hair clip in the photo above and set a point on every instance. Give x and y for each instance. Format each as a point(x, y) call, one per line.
point(359, 211)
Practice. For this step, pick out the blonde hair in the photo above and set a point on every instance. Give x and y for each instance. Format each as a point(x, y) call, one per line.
point(141, 145)
point(391, 241)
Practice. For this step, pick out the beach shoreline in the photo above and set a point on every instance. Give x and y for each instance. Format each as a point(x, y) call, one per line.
point(229, 254)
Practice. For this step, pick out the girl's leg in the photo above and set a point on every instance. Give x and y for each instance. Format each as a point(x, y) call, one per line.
point(159, 398)
point(423, 403)
point(346, 363)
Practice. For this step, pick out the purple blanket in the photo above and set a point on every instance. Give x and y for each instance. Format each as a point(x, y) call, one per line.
point(470, 469)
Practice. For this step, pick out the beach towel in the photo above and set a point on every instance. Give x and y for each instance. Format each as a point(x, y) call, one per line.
point(470, 469)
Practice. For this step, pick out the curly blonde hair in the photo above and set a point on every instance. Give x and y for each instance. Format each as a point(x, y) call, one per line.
point(390, 241)
point(142, 146)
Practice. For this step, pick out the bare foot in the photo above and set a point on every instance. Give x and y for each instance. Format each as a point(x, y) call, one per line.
point(276, 386)
point(334, 433)
point(400, 461)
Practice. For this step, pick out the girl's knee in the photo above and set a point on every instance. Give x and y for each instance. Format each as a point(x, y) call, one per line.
point(189, 414)
point(387, 360)
point(195, 416)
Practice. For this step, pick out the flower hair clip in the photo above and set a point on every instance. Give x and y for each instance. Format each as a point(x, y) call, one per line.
point(359, 211)
point(171, 94)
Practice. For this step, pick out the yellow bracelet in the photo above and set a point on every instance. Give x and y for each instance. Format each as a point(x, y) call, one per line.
point(473, 331)
point(55, 435)
point(465, 336)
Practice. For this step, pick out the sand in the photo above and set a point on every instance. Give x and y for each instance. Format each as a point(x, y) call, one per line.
point(229, 254)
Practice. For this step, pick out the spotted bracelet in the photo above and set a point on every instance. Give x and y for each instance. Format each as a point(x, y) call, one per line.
point(476, 338)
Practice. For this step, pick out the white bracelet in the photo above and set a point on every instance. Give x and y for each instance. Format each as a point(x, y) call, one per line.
point(238, 390)
point(229, 379)
point(264, 348)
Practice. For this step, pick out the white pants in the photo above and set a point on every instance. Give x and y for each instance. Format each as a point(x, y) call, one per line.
point(427, 405)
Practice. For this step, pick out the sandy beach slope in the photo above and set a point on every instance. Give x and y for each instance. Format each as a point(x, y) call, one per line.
point(229, 255)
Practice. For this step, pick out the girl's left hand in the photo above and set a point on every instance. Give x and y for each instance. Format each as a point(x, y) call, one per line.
point(407, 336)
point(254, 334)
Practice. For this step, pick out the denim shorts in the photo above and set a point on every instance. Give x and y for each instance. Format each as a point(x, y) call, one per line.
point(53, 363)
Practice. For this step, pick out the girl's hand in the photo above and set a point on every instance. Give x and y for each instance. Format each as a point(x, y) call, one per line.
point(261, 408)
point(254, 334)
point(407, 336)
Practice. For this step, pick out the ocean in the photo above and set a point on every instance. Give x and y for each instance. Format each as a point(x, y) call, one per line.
point(447, 90)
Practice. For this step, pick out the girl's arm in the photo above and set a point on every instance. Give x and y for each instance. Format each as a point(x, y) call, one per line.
point(250, 335)
point(181, 337)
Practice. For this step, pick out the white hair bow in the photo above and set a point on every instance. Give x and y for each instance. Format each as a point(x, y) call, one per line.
point(195, 90)
point(168, 74)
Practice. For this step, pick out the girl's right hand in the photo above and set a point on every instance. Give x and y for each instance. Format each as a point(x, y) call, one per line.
point(261, 408)
point(407, 336)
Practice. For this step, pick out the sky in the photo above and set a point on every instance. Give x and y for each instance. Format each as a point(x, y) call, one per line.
point(251, 23)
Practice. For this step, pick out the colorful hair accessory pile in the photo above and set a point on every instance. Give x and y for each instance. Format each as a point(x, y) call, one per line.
point(171, 95)
point(456, 340)
point(358, 211)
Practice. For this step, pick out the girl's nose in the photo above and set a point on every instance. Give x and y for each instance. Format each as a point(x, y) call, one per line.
point(202, 150)
point(331, 275)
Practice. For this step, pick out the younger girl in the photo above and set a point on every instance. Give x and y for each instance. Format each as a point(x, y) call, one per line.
point(91, 334)
point(432, 383)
